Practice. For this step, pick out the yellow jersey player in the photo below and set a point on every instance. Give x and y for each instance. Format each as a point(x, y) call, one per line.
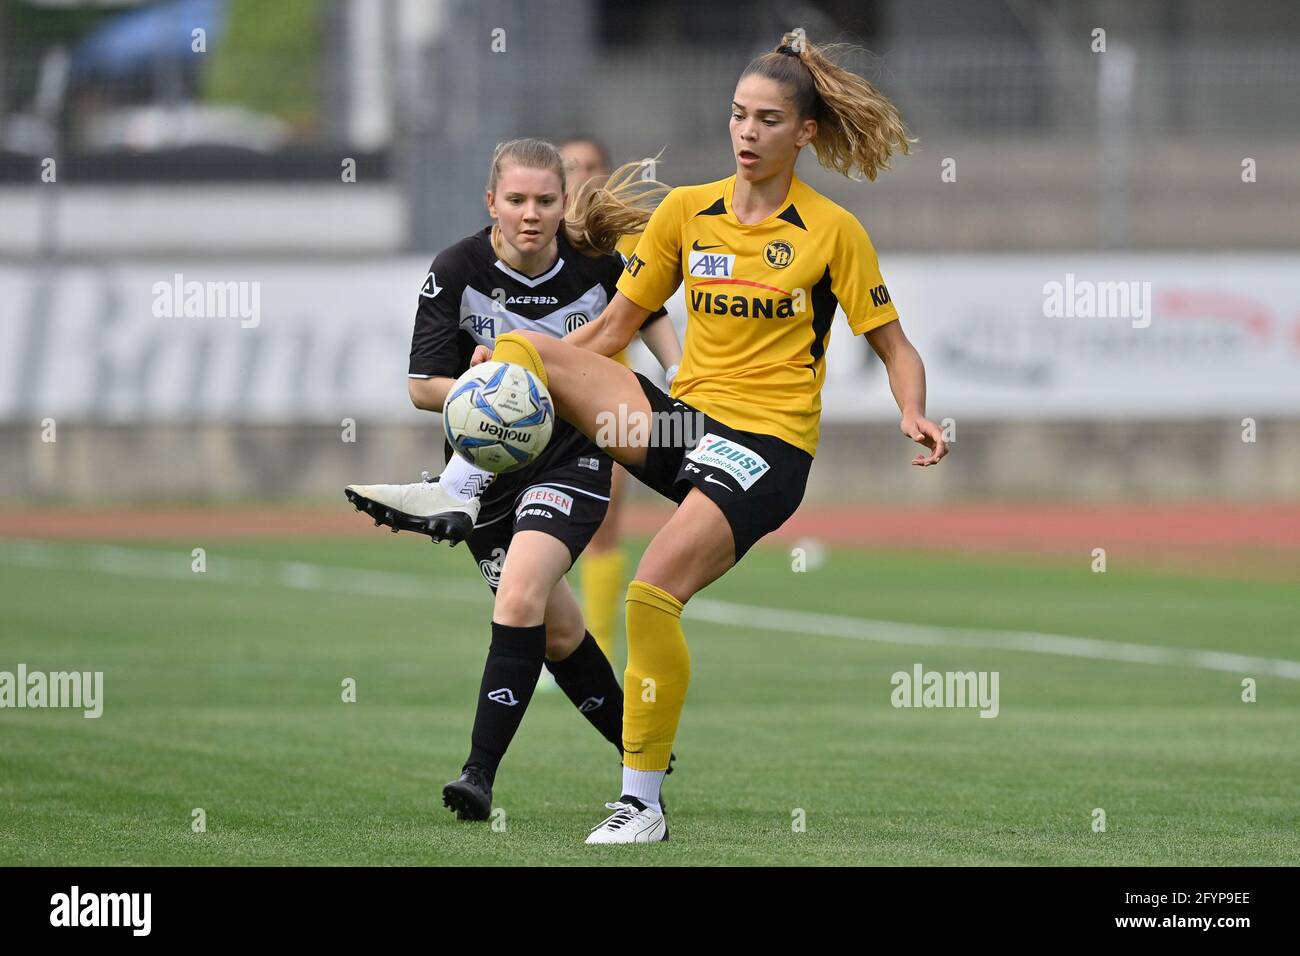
point(765, 260)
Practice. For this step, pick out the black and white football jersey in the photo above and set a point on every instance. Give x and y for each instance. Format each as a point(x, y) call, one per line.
point(470, 297)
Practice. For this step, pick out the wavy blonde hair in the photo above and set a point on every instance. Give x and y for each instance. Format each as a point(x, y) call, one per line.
point(858, 128)
point(602, 211)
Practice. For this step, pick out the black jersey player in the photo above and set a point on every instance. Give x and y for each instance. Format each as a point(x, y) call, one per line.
point(539, 270)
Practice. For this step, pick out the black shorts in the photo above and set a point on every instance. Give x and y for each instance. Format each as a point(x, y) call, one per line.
point(567, 501)
point(757, 480)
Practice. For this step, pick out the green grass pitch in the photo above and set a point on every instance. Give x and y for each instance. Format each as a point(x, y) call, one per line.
point(223, 691)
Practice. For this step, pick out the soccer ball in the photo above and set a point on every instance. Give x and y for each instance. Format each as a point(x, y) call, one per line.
point(498, 416)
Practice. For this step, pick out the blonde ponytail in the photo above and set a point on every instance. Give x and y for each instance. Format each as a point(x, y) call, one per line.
point(607, 208)
point(858, 128)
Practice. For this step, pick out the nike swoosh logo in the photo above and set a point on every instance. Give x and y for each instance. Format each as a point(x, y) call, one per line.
point(716, 482)
point(699, 248)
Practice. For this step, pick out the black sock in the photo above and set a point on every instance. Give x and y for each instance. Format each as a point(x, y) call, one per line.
point(513, 665)
point(588, 680)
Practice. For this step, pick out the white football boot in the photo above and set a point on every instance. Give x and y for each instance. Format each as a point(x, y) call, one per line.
point(631, 822)
point(423, 506)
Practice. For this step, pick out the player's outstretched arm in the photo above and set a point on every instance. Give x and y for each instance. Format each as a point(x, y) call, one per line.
point(429, 393)
point(907, 382)
point(661, 339)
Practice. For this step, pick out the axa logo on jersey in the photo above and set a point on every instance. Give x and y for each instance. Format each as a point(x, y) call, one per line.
point(712, 265)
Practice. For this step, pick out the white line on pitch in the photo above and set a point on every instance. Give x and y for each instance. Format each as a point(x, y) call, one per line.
point(140, 562)
point(895, 632)
point(295, 574)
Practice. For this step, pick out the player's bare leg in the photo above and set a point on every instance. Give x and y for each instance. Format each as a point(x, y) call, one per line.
point(591, 392)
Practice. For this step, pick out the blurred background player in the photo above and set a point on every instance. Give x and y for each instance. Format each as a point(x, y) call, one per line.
point(529, 526)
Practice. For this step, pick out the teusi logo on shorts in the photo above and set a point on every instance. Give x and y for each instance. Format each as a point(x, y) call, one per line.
point(735, 460)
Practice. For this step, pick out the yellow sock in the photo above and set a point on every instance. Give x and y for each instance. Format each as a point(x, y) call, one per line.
point(516, 349)
point(602, 582)
point(657, 675)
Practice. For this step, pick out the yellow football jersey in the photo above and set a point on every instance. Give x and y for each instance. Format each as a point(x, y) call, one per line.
point(759, 301)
